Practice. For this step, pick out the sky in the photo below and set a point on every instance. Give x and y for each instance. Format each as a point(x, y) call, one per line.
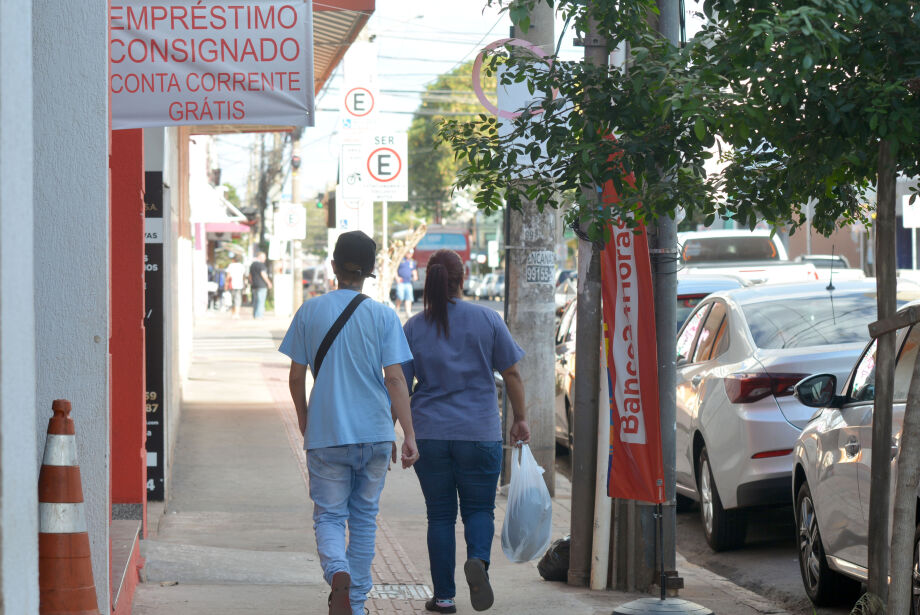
point(417, 40)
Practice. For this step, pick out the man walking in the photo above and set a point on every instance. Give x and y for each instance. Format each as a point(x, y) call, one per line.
point(235, 280)
point(406, 272)
point(258, 279)
point(355, 350)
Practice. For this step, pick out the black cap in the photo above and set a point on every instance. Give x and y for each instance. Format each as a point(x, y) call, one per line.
point(355, 252)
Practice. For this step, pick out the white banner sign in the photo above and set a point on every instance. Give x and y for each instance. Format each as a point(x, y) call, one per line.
point(910, 212)
point(386, 162)
point(183, 62)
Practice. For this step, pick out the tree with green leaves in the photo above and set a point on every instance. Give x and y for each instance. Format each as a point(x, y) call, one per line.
point(432, 169)
point(818, 100)
point(804, 100)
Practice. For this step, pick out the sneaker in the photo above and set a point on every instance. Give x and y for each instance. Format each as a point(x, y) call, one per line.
point(339, 602)
point(441, 606)
point(478, 579)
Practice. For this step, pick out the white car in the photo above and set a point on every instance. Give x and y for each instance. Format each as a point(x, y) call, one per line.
point(757, 256)
point(832, 473)
point(740, 353)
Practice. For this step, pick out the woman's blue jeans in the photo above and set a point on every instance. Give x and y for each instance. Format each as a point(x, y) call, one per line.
point(447, 469)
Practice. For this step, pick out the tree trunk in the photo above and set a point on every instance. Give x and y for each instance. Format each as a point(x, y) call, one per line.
point(905, 502)
point(886, 281)
point(904, 520)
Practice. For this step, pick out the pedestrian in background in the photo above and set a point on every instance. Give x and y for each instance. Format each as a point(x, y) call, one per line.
point(236, 276)
point(348, 424)
point(406, 273)
point(455, 347)
point(260, 283)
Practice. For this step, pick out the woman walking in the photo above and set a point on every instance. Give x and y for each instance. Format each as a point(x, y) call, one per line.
point(455, 347)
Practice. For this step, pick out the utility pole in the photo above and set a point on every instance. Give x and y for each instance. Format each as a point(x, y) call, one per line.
point(663, 248)
point(587, 376)
point(886, 293)
point(530, 286)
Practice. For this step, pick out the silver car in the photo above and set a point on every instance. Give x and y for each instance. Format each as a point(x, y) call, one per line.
point(832, 473)
point(740, 353)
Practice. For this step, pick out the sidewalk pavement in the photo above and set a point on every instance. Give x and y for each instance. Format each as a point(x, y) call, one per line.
point(235, 536)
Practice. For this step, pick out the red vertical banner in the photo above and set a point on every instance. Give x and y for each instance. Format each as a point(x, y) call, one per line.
point(635, 470)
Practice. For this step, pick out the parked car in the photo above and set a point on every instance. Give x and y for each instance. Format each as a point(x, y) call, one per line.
point(756, 256)
point(739, 355)
point(497, 288)
point(482, 289)
point(832, 267)
point(832, 472)
point(566, 290)
point(690, 291)
point(314, 281)
point(470, 283)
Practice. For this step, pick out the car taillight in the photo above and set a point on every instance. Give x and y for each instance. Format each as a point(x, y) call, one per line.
point(747, 388)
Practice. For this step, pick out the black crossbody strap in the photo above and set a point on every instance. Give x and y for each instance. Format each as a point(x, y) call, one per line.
point(334, 332)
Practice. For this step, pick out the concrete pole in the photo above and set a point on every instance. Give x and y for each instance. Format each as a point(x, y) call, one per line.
point(886, 282)
point(663, 243)
point(529, 285)
point(587, 379)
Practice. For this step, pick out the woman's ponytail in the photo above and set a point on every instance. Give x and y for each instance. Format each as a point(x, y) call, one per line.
point(442, 283)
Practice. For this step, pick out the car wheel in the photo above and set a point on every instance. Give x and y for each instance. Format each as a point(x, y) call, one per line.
point(723, 529)
point(571, 434)
point(823, 585)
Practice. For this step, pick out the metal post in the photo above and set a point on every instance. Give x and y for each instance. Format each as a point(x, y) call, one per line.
point(664, 272)
point(296, 266)
point(385, 214)
point(529, 291)
point(913, 248)
point(587, 378)
point(886, 281)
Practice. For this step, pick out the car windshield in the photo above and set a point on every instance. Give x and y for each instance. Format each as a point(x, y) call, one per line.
point(816, 320)
point(728, 249)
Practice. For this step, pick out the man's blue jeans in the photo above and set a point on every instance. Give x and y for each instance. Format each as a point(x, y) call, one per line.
point(447, 469)
point(258, 302)
point(345, 486)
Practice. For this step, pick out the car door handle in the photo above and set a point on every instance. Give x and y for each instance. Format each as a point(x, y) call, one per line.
point(696, 380)
point(852, 447)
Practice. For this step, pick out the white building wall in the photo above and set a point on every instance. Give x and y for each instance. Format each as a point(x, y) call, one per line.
point(71, 243)
point(18, 468)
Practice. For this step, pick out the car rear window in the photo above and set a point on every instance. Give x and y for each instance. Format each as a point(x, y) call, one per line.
point(817, 320)
point(728, 249)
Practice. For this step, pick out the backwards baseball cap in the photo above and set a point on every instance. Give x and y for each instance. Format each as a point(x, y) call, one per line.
point(355, 252)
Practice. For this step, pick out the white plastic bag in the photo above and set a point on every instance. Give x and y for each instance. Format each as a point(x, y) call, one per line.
point(529, 517)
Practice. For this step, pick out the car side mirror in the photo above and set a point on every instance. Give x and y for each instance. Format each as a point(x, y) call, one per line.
point(817, 391)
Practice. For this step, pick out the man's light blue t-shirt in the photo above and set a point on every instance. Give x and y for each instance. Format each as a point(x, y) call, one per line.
point(349, 403)
point(455, 398)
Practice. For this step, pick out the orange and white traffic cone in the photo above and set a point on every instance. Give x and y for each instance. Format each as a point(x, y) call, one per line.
point(65, 571)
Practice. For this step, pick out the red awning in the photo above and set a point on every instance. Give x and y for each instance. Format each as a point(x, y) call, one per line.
point(226, 227)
